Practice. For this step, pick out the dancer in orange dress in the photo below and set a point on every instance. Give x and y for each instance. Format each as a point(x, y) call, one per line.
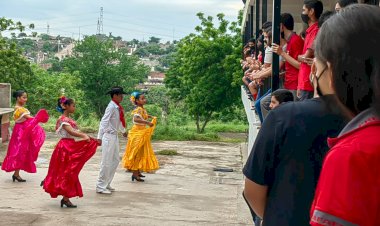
point(69, 156)
point(139, 156)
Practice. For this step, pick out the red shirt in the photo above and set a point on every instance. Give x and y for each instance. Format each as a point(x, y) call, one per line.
point(304, 72)
point(348, 189)
point(294, 48)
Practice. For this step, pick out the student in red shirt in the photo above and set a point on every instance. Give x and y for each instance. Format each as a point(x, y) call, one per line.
point(348, 190)
point(294, 48)
point(311, 11)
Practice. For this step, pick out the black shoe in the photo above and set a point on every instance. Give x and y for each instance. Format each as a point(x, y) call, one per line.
point(18, 178)
point(67, 203)
point(42, 183)
point(140, 175)
point(137, 178)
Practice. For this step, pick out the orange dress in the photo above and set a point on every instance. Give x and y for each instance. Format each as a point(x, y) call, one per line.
point(139, 153)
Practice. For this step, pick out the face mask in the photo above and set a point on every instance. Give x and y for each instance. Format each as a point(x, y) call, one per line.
point(317, 78)
point(305, 18)
point(282, 35)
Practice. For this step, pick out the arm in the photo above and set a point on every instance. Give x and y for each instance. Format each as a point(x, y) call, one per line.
point(264, 73)
point(256, 196)
point(74, 133)
point(278, 50)
point(104, 122)
point(142, 121)
point(259, 169)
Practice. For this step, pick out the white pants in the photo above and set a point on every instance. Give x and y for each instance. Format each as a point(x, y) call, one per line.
point(110, 161)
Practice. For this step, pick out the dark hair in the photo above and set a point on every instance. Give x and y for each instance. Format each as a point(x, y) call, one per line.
point(355, 70)
point(68, 101)
point(266, 25)
point(252, 40)
point(326, 15)
point(316, 5)
point(287, 20)
point(18, 93)
point(283, 95)
point(344, 3)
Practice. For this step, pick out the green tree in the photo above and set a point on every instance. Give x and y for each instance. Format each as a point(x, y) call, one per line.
point(141, 52)
point(45, 90)
point(200, 74)
point(14, 68)
point(100, 67)
point(154, 40)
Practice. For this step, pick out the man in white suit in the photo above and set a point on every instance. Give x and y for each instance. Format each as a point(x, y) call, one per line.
point(112, 122)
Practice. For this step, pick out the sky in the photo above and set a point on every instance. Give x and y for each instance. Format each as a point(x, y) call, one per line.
point(139, 19)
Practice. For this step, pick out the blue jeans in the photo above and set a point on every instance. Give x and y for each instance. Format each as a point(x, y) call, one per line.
point(258, 106)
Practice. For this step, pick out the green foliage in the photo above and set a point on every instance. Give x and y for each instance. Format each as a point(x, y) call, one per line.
point(154, 40)
point(100, 66)
point(201, 75)
point(10, 25)
point(45, 90)
point(14, 68)
point(45, 37)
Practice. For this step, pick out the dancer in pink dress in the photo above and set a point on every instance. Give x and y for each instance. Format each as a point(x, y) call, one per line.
point(26, 140)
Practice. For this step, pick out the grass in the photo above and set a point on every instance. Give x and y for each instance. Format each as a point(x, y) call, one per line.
point(167, 152)
point(170, 132)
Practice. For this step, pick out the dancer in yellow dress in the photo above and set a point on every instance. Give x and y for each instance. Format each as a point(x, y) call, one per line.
point(139, 156)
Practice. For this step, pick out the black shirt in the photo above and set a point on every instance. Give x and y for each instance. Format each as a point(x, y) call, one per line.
point(287, 157)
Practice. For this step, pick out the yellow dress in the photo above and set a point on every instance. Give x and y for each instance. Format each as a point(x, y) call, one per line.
point(139, 153)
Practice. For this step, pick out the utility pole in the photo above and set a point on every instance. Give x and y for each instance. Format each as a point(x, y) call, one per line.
point(79, 35)
point(48, 29)
point(173, 34)
point(100, 22)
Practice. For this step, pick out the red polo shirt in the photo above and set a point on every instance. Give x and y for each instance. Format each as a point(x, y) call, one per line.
point(304, 72)
point(294, 48)
point(348, 191)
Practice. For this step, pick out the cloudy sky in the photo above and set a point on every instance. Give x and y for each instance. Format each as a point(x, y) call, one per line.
point(130, 19)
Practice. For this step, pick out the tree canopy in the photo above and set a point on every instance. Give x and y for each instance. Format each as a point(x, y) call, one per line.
point(100, 67)
point(204, 70)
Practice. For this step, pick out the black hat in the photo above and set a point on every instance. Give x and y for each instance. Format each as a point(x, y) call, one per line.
point(116, 90)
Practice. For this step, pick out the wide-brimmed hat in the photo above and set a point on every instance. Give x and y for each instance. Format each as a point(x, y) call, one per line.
point(116, 90)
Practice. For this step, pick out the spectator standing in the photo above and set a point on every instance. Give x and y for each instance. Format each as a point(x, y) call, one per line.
point(349, 185)
point(311, 11)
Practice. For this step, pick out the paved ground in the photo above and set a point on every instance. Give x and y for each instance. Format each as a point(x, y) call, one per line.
point(185, 191)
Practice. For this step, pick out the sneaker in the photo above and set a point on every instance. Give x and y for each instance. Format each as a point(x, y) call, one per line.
point(110, 188)
point(104, 192)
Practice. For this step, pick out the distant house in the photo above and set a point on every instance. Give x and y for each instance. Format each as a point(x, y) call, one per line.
point(155, 78)
point(65, 52)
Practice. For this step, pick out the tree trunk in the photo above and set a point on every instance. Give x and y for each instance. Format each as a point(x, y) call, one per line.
point(206, 121)
point(197, 122)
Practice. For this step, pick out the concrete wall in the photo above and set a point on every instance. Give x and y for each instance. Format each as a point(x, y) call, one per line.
point(5, 112)
point(252, 120)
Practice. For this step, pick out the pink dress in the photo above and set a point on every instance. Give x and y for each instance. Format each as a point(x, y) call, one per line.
point(26, 141)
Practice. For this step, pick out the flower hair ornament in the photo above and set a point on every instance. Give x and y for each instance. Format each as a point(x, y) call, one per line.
point(63, 99)
point(133, 97)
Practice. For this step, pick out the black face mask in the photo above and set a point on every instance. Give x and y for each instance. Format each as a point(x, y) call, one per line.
point(305, 18)
point(318, 77)
point(282, 35)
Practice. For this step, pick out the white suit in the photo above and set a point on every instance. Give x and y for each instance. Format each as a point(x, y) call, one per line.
point(108, 130)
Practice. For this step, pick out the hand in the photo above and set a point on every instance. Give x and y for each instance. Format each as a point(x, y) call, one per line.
point(301, 58)
point(99, 142)
point(309, 61)
point(86, 137)
point(277, 49)
point(150, 124)
point(298, 93)
point(125, 134)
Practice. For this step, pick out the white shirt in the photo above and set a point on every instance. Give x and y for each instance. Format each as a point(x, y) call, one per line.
point(110, 122)
point(268, 55)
